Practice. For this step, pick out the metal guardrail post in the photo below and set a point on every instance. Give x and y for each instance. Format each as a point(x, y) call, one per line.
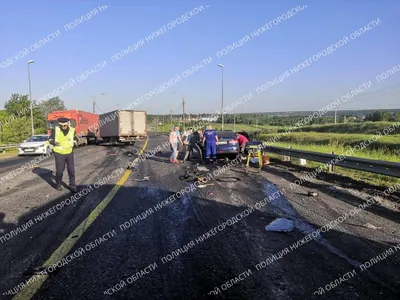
point(330, 166)
point(287, 157)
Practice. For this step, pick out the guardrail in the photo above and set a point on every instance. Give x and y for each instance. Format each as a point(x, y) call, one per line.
point(4, 148)
point(350, 162)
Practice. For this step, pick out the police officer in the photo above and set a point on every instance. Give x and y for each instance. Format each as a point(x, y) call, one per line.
point(62, 138)
point(211, 139)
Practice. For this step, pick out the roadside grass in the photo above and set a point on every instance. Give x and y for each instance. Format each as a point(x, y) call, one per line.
point(384, 148)
point(9, 153)
point(345, 128)
point(357, 128)
point(367, 177)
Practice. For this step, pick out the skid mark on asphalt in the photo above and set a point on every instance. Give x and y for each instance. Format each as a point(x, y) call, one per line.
point(284, 208)
point(37, 280)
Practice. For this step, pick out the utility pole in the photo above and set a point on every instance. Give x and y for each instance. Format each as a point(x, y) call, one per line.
point(222, 97)
point(183, 112)
point(335, 114)
point(170, 107)
point(94, 101)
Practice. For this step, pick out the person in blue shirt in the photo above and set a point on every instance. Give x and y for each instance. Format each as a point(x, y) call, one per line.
point(210, 139)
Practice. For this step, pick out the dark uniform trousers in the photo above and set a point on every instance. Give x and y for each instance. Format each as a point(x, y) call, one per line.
point(189, 151)
point(61, 161)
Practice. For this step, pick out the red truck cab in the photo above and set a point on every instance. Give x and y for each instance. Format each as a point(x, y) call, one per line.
point(82, 121)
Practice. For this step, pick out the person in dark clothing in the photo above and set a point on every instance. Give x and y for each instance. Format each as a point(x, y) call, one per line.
point(62, 138)
point(194, 141)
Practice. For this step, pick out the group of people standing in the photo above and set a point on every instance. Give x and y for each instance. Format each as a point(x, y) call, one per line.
point(205, 144)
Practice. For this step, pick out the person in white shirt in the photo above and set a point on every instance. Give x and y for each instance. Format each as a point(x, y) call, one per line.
point(174, 139)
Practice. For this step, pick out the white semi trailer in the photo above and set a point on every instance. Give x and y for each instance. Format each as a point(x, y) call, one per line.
point(123, 126)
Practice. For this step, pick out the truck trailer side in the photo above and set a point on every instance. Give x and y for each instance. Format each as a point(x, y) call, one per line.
point(123, 126)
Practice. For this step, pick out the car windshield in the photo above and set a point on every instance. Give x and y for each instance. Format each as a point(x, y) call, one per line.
point(226, 135)
point(38, 138)
point(52, 124)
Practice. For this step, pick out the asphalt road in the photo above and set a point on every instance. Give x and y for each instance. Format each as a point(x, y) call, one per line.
point(202, 265)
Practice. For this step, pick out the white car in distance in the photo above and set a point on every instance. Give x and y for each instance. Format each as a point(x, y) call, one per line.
point(36, 144)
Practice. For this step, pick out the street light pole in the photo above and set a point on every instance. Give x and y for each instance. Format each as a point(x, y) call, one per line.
point(183, 113)
point(30, 94)
point(222, 98)
point(234, 123)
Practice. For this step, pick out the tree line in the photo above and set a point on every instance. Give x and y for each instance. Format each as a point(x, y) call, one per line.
point(16, 126)
point(290, 120)
point(15, 119)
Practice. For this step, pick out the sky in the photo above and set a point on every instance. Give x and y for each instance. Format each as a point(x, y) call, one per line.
point(221, 23)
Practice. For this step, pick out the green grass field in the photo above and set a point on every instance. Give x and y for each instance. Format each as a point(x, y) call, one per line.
point(356, 128)
point(385, 148)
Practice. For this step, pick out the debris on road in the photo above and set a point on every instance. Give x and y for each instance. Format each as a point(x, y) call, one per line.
point(205, 184)
point(192, 176)
point(35, 271)
point(201, 168)
point(313, 194)
point(228, 179)
point(131, 153)
point(202, 179)
point(145, 178)
point(280, 225)
point(370, 226)
point(254, 160)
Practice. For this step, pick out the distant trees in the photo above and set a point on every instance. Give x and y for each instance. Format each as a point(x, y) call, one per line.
point(263, 119)
point(15, 120)
point(51, 105)
point(379, 116)
point(290, 120)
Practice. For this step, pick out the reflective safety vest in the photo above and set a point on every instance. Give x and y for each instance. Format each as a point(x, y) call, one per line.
point(66, 141)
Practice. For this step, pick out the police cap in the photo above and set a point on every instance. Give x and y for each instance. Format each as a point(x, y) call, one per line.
point(63, 121)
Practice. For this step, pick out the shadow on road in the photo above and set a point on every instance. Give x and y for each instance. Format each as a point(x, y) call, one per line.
point(48, 176)
point(209, 264)
point(341, 195)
